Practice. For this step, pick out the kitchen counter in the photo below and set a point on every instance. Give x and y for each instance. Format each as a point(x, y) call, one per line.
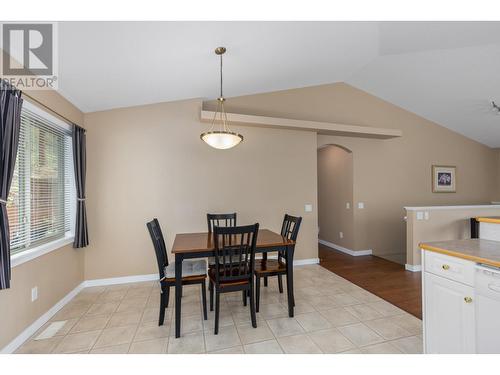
point(489, 219)
point(476, 250)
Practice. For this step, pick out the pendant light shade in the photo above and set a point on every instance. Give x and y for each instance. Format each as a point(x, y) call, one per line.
point(223, 138)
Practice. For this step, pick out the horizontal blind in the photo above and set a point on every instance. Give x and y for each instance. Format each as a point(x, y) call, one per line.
point(42, 191)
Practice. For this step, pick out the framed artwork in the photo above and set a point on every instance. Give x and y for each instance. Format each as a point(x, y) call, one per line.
point(444, 179)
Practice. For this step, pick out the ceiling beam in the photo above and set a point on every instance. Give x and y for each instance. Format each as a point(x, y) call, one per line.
point(324, 128)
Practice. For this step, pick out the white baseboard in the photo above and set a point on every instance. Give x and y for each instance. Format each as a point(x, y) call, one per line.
point(413, 268)
point(354, 253)
point(121, 280)
point(37, 324)
point(303, 262)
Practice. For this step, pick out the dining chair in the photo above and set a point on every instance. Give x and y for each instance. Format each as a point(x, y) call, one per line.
point(194, 271)
point(265, 268)
point(230, 276)
point(220, 220)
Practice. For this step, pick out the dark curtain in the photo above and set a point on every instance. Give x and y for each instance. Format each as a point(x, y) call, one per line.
point(80, 162)
point(10, 118)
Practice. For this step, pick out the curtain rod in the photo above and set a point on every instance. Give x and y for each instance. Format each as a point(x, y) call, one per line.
point(47, 108)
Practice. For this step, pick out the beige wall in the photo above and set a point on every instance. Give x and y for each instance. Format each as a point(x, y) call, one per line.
point(335, 189)
point(55, 273)
point(149, 161)
point(388, 174)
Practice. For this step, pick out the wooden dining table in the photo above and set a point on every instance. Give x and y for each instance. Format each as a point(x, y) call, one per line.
point(201, 245)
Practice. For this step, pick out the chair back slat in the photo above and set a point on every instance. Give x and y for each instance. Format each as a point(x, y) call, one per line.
point(159, 246)
point(220, 220)
point(235, 252)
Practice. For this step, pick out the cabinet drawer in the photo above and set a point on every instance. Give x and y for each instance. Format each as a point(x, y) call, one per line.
point(450, 267)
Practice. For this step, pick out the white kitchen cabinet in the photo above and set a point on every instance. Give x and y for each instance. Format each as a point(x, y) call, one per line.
point(461, 296)
point(449, 311)
point(449, 316)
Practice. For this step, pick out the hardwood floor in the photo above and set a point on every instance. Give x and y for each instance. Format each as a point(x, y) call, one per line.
point(381, 277)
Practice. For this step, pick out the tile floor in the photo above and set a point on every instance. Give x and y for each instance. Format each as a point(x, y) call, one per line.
point(332, 315)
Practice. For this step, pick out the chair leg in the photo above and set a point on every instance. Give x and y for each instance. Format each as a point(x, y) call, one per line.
point(217, 308)
point(204, 298)
point(280, 283)
point(265, 281)
point(161, 319)
point(252, 307)
point(257, 293)
point(211, 290)
point(167, 296)
point(244, 295)
point(293, 298)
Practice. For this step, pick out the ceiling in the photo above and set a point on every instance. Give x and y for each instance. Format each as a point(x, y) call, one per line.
point(447, 72)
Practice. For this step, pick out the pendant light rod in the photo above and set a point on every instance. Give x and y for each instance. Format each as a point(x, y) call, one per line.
point(221, 77)
point(220, 51)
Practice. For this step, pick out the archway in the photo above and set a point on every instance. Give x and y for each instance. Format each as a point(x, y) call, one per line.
point(335, 197)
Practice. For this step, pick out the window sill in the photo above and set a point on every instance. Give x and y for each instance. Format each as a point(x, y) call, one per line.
point(27, 255)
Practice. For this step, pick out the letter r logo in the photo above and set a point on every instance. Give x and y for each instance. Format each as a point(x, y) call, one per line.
point(29, 49)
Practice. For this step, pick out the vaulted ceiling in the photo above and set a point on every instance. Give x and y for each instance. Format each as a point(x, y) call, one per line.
point(447, 72)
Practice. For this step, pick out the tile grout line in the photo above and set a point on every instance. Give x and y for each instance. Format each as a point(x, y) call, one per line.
point(69, 332)
point(139, 324)
point(102, 331)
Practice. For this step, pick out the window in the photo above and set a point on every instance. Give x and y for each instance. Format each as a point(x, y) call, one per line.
point(41, 201)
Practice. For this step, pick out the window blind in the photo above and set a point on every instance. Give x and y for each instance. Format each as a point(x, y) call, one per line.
point(42, 195)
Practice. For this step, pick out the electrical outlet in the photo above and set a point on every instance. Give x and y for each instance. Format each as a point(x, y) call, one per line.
point(420, 215)
point(308, 207)
point(341, 234)
point(34, 294)
point(348, 206)
point(426, 215)
point(361, 205)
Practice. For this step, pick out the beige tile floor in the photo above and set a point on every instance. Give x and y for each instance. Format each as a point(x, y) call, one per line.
point(332, 315)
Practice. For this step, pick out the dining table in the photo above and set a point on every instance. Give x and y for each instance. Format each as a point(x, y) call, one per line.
point(201, 245)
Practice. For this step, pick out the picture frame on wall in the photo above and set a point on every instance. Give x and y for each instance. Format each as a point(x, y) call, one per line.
point(444, 179)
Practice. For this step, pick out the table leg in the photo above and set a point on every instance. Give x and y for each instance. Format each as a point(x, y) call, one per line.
point(289, 279)
point(178, 293)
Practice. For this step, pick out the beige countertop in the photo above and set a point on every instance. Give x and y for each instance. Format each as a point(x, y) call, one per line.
point(476, 250)
point(489, 219)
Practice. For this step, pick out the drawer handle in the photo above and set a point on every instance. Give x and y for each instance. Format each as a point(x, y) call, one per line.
point(468, 299)
point(445, 267)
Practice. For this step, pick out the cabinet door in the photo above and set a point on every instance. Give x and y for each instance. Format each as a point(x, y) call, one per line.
point(487, 325)
point(449, 316)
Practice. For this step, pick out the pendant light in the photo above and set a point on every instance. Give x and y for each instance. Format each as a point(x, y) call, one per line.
point(223, 138)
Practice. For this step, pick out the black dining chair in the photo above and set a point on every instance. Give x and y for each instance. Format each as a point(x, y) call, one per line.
point(194, 271)
point(276, 267)
point(219, 220)
point(229, 275)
